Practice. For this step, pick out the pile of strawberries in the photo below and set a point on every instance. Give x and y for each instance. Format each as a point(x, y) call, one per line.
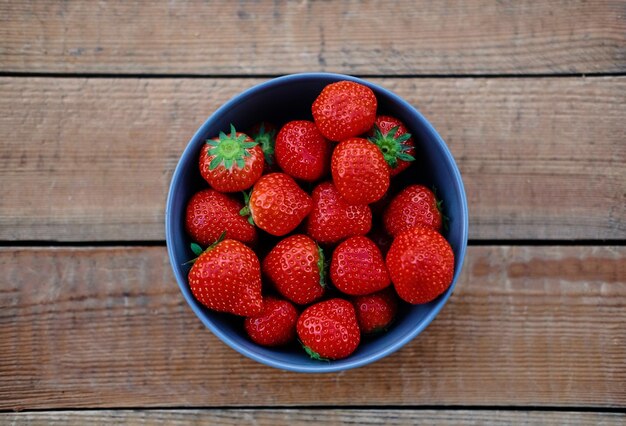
point(317, 187)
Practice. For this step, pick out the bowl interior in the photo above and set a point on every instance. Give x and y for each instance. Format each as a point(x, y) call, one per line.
point(289, 98)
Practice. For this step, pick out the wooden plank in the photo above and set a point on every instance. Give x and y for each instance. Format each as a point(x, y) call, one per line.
point(293, 417)
point(356, 37)
point(91, 159)
point(107, 327)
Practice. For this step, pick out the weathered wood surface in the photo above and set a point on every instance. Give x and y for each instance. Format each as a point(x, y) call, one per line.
point(91, 159)
point(107, 327)
point(356, 37)
point(291, 417)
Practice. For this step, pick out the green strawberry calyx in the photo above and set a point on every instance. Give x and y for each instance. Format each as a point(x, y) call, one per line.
point(314, 355)
point(266, 140)
point(321, 266)
point(245, 211)
point(198, 250)
point(229, 150)
point(445, 220)
point(392, 146)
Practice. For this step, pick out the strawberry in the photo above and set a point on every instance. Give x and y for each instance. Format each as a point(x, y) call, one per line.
point(296, 268)
point(277, 204)
point(376, 311)
point(231, 163)
point(357, 267)
point(344, 109)
point(226, 277)
point(414, 205)
point(210, 213)
point(329, 329)
point(395, 142)
point(275, 325)
point(301, 150)
point(359, 171)
point(264, 133)
point(332, 219)
point(421, 264)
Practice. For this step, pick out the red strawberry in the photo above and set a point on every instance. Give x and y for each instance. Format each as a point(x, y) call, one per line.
point(231, 163)
point(394, 141)
point(226, 277)
point(358, 267)
point(264, 133)
point(329, 329)
point(301, 150)
point(421, 264)
point(210, 213)
point(376, 311)
point(275, 325)
point(277, 204)
point(332, 219)
point(344, 109)
point(414, 205)
point(296, 268)
point(360, 171)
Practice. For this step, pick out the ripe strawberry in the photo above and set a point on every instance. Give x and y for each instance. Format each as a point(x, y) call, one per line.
point(344, 109)
point(332, 219)
point(421, 264)
point(359, 171)
point(301, 150)
point(329, 329)
point(375, 312)
point(226, 277)
point(358, 267)
point(277, 204)
point(394, 141)
point(231, 163)
point(296, 268)
point(264, 133)
point(210, 213)
point(414, 205)
point(275, 325)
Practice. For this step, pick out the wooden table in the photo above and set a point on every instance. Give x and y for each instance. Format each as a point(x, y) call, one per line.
point(98, 100)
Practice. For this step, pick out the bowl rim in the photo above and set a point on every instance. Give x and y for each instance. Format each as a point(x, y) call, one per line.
point(347, 363)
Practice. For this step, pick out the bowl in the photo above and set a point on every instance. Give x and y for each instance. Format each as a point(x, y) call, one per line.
point(289, 98)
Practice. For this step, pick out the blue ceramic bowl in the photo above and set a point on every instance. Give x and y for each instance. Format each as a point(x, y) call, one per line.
point(288, 98)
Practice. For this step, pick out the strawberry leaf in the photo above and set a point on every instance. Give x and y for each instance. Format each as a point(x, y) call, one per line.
point(405, 157)
point(196, 249)
point(321, 266)
point(314, 355)
point(215, 162)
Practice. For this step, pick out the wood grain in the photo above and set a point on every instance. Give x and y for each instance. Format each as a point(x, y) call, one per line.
point(91, 159)
point(274, 417)
point(357, 37)
point(107, 327)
